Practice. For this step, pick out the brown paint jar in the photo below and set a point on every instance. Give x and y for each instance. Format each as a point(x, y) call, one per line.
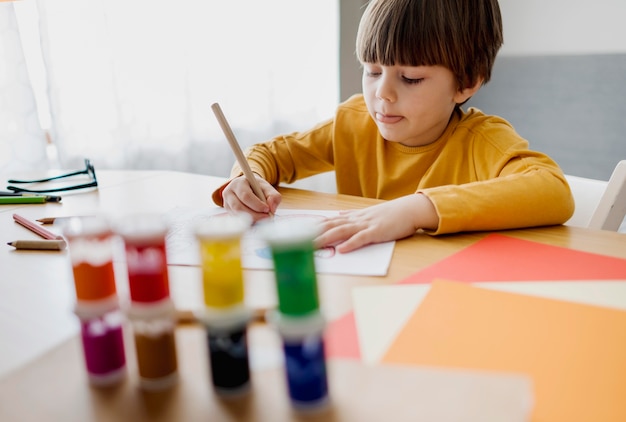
point(155, 345)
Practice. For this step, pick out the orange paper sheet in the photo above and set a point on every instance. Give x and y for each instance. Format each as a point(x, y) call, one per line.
point(575, 354)
point(493, 258)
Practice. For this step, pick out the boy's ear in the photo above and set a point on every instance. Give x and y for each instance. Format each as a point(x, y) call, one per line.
point(465, 94)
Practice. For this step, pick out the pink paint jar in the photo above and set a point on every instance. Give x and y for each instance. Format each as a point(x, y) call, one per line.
point(103, 345)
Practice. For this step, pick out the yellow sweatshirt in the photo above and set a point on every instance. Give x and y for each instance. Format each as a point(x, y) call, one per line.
point(479, 174)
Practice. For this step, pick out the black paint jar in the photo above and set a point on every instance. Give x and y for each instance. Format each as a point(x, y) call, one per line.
point(227, 345)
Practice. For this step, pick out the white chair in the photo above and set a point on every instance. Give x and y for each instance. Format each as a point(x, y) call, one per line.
point(600, 204)
point(609, 215)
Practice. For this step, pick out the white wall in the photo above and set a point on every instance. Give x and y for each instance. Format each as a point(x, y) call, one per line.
point(531, 27)
point(538, 27)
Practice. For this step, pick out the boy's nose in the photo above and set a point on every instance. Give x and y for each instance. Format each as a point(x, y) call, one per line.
point(385, 90)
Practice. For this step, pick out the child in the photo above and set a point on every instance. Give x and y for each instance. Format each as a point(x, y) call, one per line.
point(407, 140)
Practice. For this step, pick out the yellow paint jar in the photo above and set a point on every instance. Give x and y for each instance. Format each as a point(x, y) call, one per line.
point(219, 239)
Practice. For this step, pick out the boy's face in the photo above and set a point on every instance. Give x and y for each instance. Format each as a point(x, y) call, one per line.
point(411, 104)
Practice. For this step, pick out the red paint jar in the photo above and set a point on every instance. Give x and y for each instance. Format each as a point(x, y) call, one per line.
point(146, 258)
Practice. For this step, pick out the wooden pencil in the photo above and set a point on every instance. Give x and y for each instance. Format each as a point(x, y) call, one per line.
point(241, 159)
point(41, 245)
point(51, 220)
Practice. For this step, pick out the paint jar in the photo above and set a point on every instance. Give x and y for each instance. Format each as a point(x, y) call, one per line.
point(155, 346)
point(103, 345)
point(219, 239)
point(146, 259)
point(90, 242)
point(227, 345)
point(291, 244)
point(305, 360)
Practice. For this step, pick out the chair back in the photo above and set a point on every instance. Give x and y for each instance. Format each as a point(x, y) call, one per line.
point(611, 210)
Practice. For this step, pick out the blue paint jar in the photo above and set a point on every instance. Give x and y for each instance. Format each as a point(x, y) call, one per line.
point(305, 360)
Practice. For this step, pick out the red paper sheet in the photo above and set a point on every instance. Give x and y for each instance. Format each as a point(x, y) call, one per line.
point(499, 258)
point(494, 258)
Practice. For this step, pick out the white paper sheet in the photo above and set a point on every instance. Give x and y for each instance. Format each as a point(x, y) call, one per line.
point(182, 247)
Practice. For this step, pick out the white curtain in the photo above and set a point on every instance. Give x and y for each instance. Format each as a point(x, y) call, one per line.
point(22, 141)
point(130, 82)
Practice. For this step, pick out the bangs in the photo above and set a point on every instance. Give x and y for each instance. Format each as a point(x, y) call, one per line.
point(461, 35)
point(397, 32)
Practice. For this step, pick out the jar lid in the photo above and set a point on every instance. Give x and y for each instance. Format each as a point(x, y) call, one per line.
point(224, 319)
point(297, 327)
point(288, 231)
point(140, 228)
point(90, 309)
point(223, 226)
point(151, 310)
point(85, 226)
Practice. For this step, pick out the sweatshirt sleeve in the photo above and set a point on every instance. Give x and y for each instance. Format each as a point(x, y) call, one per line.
point(287, 158)
point(520, 188)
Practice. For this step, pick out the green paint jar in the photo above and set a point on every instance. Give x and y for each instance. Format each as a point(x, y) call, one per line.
point(291, 243)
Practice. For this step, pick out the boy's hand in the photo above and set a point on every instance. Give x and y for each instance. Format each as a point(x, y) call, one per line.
point(384, 222)
point(238, 196)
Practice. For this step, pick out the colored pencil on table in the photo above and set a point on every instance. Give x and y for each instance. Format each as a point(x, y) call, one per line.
point(17, 198)
point(51, 220)
point(47, 245)
point(35, 228)
point(22, 199)
point(47, 220)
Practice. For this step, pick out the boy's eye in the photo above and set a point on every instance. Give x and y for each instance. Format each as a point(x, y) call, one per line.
point(371, 73)
point(412, 81)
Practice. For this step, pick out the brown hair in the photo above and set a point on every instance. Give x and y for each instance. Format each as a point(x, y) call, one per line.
point(461, 35)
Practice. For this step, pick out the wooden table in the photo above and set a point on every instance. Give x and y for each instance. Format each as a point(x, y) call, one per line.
point(41, 368)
